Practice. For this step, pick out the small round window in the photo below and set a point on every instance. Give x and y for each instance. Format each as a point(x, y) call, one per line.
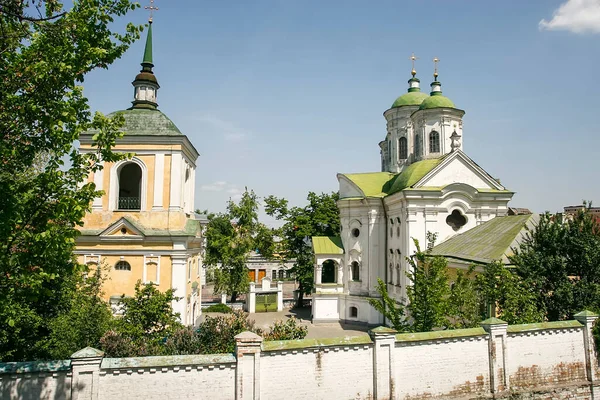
point(355, 232)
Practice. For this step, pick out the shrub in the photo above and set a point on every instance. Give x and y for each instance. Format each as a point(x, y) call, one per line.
point(217, 334)
point(288, 330)
point(220, 307)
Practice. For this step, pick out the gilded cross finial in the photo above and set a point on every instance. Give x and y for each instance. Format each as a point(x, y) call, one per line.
point(151, 8)
point(413, 58)
point(435, 65)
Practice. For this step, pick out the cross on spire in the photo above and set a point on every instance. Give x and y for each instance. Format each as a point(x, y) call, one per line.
point(151, 8)
point(413, 58)
point(435, 65)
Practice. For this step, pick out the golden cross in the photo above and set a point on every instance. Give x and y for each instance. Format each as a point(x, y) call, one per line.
point(413, 58)
point(435, 63)
point(151, 8)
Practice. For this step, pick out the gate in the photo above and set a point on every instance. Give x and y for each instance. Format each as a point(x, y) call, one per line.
point(266, 302)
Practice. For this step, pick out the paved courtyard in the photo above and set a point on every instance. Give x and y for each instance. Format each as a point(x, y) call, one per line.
point(329, 330)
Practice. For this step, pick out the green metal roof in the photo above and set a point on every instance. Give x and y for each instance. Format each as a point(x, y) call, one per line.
point(381, 184)
point(436, 101)
point(490, 241)
point(371, 183)
point(412, 174)
point(148, 50)
point(327, 245)
point(410, 99)
point(147, 122)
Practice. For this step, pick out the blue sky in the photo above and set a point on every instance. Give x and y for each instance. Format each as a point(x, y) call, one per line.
point(280, 95)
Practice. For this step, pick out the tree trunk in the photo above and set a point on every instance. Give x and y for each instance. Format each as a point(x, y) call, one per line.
point(300, 301)
point(234, 297)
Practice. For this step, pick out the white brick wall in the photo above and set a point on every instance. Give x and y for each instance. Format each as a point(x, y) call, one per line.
point(442, 366)
point(538, 361)
point(318, 373)
point(186, 382)
point(36, 385)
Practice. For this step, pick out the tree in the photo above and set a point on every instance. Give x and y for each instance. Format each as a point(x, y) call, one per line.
point(147, 320)
point(392, 310)
point(320, 217)
point(230, 238)
point(465, 301)
point(508, 296)
point(428, 291)
point(45, 52)
point(559, 259)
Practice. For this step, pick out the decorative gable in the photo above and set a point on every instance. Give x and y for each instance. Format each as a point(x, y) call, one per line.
point(122, 229)
point(458, 168)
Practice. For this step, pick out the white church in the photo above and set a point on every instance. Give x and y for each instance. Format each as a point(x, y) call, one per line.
point(426, 184)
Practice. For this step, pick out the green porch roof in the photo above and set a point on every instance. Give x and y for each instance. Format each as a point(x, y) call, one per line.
point(381, 184)
point(192, 227)
point(327, 245)
point(488, 242)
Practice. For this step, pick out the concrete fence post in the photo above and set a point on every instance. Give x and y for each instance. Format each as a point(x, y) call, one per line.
point(85, 366)
point(384, 341)
point(247, 373)
point(279, 296)
point(251, 298)
point(587, 318)
point(496, 329)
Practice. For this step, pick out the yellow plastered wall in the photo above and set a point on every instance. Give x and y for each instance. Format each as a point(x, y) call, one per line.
point(166, 184)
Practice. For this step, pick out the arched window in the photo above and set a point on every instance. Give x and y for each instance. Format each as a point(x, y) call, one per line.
point(391, 277)
point(402, 148)
point(274, 274)
point(355, 271)
point(418, 148)
point(130, 187)
point(328, 272)
point(281, 274)
point(398, 274)
point(434, 142)
point(353, 312)
point(122, 266)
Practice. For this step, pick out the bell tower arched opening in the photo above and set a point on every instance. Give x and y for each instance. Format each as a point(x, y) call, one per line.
point(130, 187)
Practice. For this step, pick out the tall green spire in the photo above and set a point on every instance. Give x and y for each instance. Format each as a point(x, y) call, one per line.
point(148, 51)
point(145, 83)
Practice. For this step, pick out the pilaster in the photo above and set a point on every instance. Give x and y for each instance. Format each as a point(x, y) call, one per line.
point(176, 182)
point(159, 177)
point(179, 284)
point(384, 341)
point(247, 374)
point(85, 365)
point(587, 318)
point(496, 329)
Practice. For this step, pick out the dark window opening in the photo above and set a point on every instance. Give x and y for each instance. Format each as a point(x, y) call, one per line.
point(328, 272)
point(355, 271)
point(403, 148)
point(130, 181)
point(122, 266)
point(353, 312)
point(456, 220)
point(434, 142)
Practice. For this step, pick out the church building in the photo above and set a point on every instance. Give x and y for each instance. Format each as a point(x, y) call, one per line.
point(427, 184)
point(144, 226)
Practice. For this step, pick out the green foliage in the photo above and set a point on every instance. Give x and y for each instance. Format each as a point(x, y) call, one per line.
point(286, 330)
point(393, 311)
point(465, 301)
point(84, 324)
point(217, 334)
point(148, 315)
point(320, 217)
point(230, 237)
point(45, 52)
point(508, 296)
point(220, 308)
point(429, 291)
point(560, 260)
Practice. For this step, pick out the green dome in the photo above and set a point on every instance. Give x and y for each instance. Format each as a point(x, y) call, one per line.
point(436, 101)
point(147, 122)
point(410, 99)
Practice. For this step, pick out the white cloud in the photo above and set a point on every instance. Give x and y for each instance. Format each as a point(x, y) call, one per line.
point(578, 16)
point(214, 187)
point(228, 130)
